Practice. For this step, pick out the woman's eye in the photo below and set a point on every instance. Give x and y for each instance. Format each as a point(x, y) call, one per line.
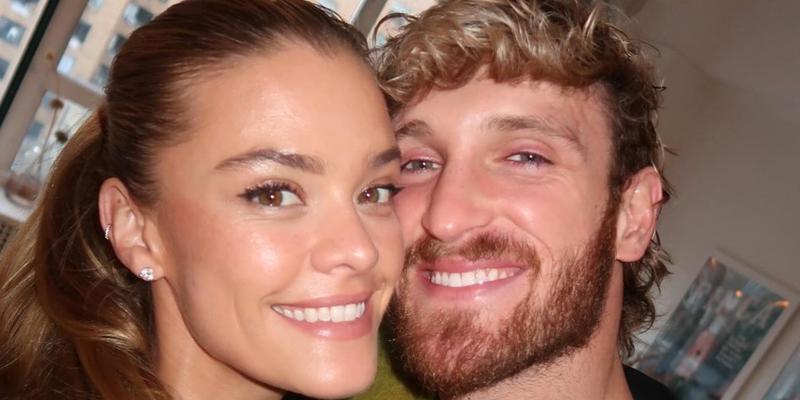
point(273, 196)
point(419, 165)
point(528, 158)
point(378, 194)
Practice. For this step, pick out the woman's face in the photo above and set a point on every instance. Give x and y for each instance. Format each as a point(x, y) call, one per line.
point(280, 243)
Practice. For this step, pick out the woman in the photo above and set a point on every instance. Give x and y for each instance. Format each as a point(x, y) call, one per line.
point(221, 227)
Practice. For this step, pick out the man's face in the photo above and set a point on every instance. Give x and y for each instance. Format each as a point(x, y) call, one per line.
point(506, 207)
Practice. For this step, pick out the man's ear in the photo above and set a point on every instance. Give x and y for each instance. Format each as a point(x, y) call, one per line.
point(640, 204)
point(126, 226)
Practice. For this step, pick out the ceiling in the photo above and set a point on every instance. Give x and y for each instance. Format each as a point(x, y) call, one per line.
point(750, 45)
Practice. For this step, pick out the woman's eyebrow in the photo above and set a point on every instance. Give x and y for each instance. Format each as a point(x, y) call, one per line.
point(302, 162)
point(385, 157)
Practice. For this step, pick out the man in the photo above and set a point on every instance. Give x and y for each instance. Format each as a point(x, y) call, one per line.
point(532, 187)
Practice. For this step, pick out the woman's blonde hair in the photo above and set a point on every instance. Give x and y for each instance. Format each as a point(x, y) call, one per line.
point(74, 322)
point(572, 43)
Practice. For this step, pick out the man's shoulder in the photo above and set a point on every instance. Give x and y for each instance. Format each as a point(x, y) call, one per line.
point(644, 387)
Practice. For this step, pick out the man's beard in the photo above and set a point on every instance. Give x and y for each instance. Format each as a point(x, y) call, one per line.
point(450, 353)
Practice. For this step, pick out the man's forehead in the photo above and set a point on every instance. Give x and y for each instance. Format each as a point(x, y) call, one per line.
point(537, 106)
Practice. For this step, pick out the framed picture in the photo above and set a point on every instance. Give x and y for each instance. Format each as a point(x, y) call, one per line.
point(787, 385)
point(724, 323)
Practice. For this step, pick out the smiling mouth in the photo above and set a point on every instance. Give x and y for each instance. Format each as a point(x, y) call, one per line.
point(470, 278)
point(337, 314)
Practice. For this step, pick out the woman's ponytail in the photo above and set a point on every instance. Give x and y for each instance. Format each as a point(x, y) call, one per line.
point(72, 314)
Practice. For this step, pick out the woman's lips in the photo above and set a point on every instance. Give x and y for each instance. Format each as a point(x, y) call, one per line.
point(336, 313)
point(338, 317)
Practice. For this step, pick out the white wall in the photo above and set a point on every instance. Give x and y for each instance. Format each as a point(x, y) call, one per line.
point(736, 128)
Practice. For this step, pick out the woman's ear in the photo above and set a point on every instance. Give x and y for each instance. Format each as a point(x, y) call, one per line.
point(639, 207)
point(124, 225)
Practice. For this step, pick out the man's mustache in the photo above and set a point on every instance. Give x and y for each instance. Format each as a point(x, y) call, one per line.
point(487, 246)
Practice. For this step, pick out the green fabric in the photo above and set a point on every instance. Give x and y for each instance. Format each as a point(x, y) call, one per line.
point(386, 386)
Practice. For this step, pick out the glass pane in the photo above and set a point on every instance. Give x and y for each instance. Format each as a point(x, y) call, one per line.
point(412, 7)
point(104, 26)
point(348, 9)
point(55, 121)
point(18, 19)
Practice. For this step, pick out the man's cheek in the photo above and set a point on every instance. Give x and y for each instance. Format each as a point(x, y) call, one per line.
point(410, 205)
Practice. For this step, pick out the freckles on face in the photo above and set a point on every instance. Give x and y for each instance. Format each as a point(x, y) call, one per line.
point(277, 207)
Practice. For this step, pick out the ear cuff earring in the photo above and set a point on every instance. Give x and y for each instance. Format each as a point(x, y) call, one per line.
point(147, 274)
point(107, 232)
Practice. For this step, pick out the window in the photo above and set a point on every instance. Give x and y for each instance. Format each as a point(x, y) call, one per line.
point(65, 65)
point(107, 27)
point(23, 7)
point(28, 153)
point(100, 76)
point(46, 136)
point(11, 32)
point(19, 18)
point(398, 6)
point(49, 130)
point(329, 4)
point(347, 9)
point(4, 64)
point(116, 43)
point(92, 36)
point(136, 15)
point(79, 35)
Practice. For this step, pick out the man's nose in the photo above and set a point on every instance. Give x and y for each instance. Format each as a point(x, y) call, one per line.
point(458, 205)
point(344, 244)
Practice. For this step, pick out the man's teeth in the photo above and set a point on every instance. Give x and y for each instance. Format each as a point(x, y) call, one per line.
point(471, 278)
point(341, 313)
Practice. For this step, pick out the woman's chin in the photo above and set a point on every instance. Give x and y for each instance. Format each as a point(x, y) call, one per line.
point(338, 382)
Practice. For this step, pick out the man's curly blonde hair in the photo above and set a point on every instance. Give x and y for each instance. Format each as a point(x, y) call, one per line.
point(572, 43)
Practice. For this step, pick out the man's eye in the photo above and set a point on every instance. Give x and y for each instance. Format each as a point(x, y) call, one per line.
point(378, 194)
point(273, 195)
point(528, 158)
point(419, 165)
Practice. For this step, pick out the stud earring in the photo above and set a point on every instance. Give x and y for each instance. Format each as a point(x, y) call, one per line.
point(147, 274)
point(107, 231)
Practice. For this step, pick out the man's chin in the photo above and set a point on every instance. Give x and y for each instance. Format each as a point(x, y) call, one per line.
point(448, 351)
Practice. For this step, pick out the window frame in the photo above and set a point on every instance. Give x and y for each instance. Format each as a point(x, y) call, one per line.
point(36, 73)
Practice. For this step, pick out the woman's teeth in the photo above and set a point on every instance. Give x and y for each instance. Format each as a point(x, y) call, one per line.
point(471, 278)
point(340, 313)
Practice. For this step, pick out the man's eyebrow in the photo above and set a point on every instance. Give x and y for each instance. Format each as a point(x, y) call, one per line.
point(510, 123)
point(259, 156)
point(385, 157)
point(413, 128)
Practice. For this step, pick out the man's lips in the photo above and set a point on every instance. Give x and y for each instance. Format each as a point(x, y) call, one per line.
point(465, 274)
point(471, 278)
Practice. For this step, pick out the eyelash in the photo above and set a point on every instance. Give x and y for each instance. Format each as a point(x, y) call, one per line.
point(393, 190)
point(252, 193)
point(431, 165)
point(534, 159)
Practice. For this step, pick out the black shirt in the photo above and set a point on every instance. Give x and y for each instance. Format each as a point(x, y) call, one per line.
point(644, 387)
